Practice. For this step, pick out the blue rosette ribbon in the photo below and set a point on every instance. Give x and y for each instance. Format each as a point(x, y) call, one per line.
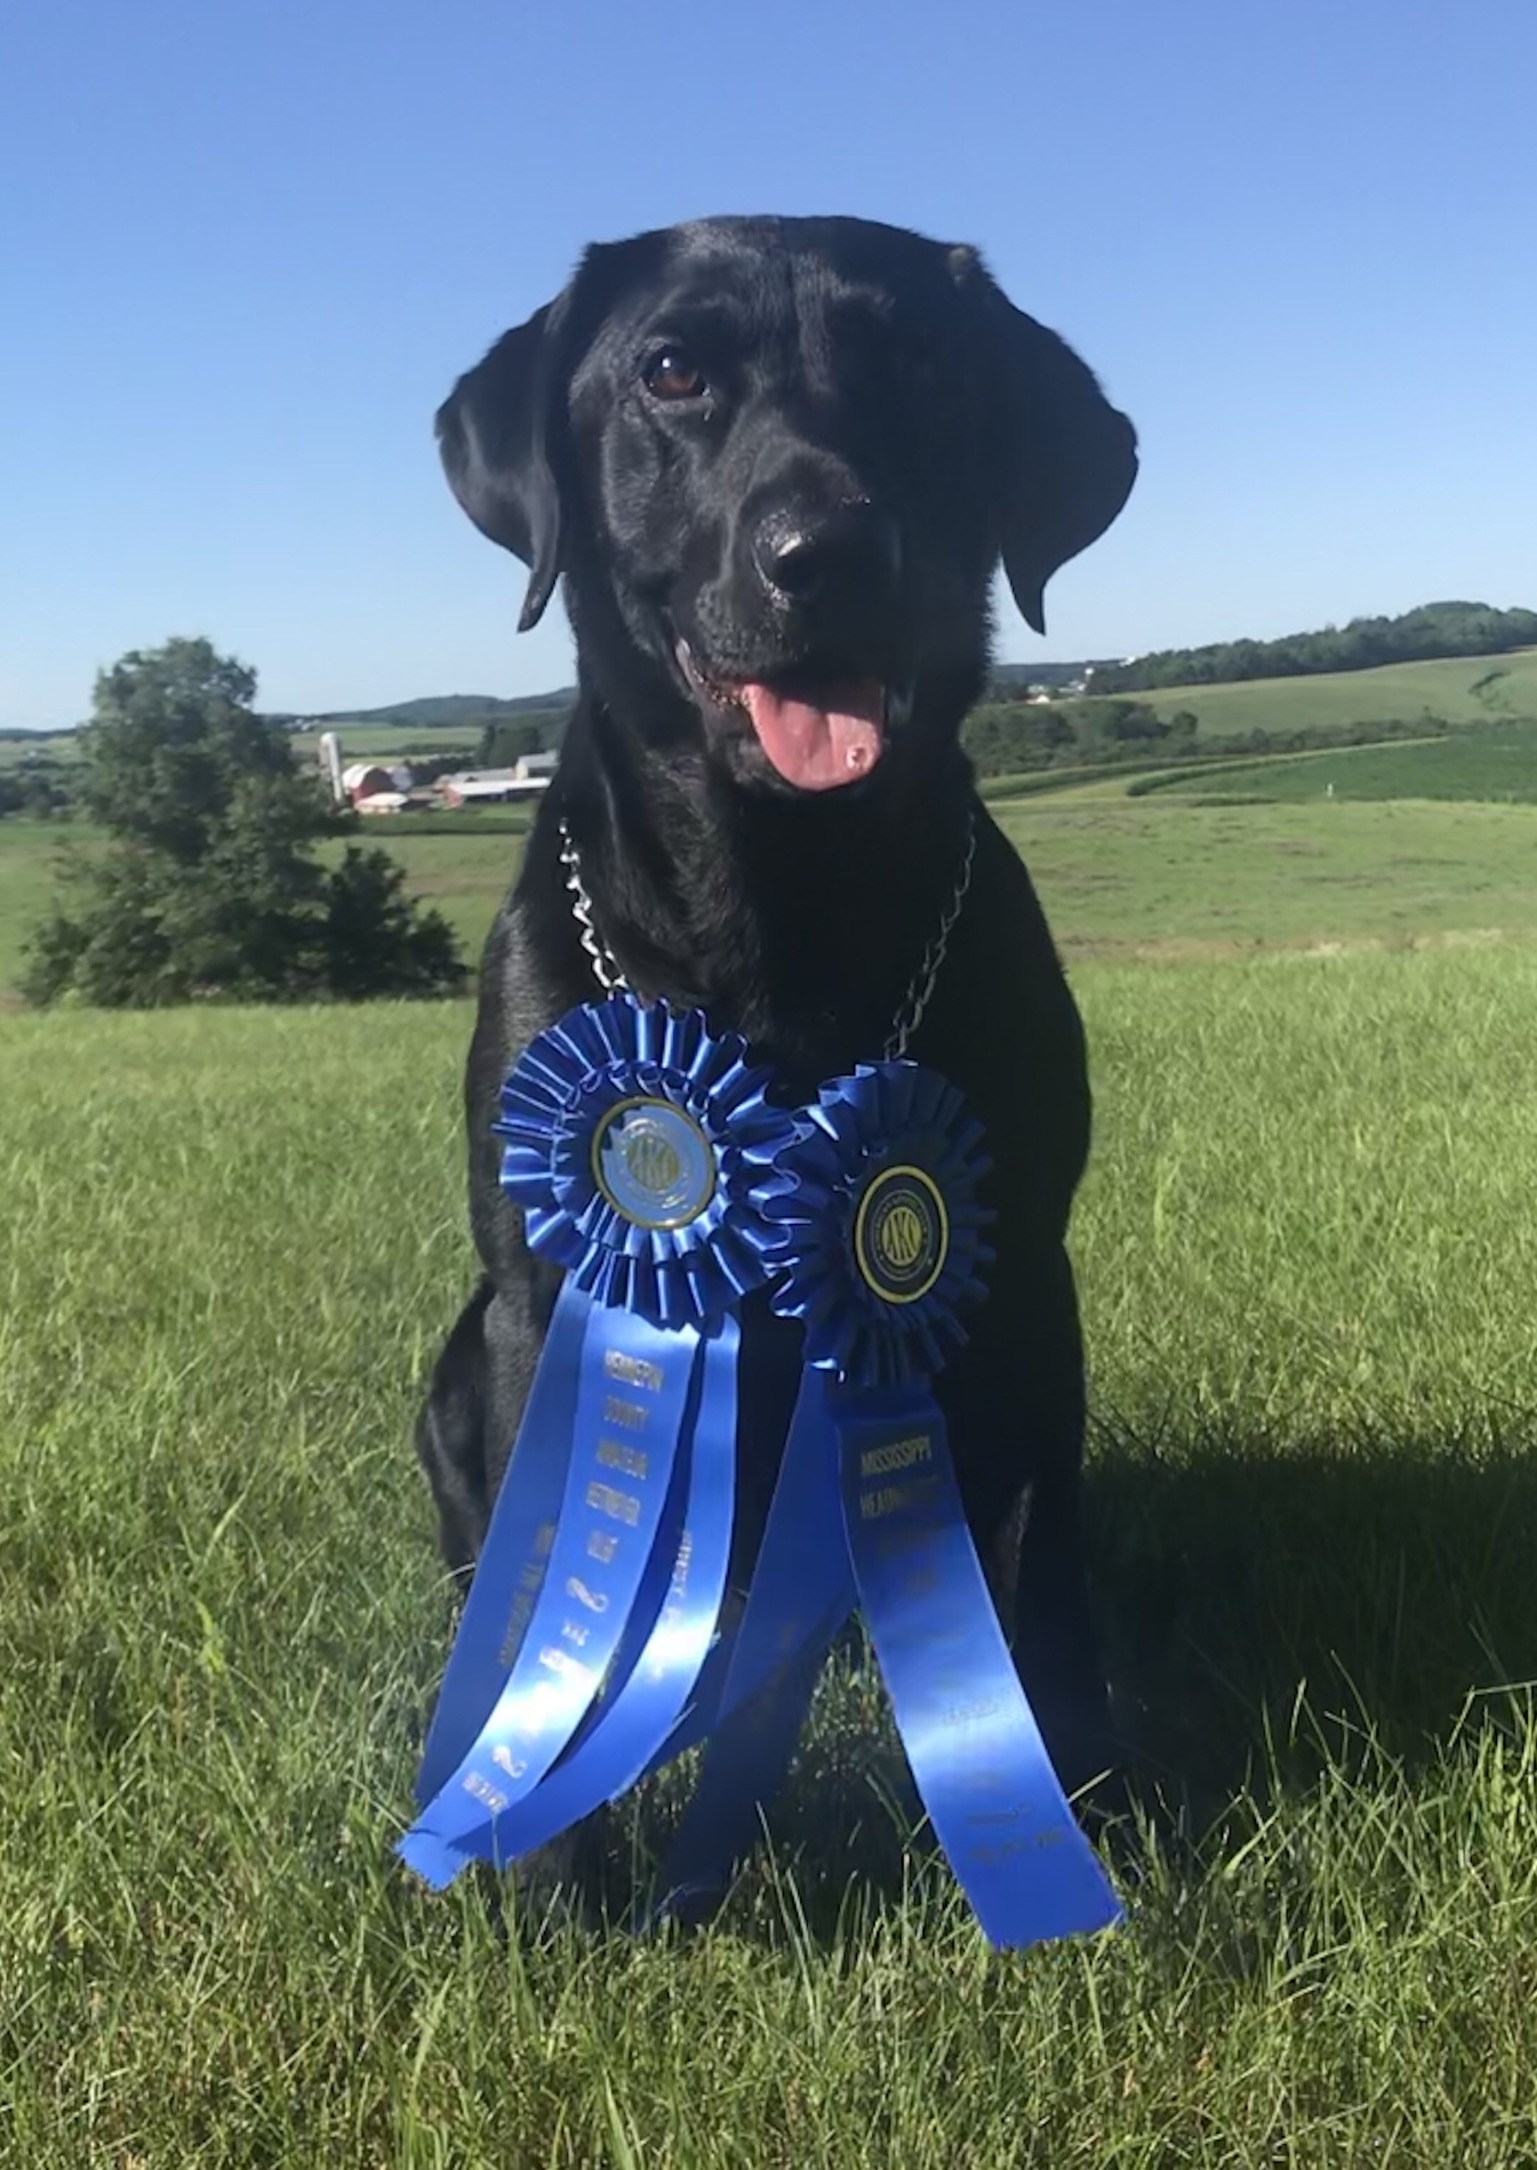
point(651, 1165)
point(886, 1248)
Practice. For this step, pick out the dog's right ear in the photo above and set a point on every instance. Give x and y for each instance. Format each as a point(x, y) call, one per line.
point(498, 437)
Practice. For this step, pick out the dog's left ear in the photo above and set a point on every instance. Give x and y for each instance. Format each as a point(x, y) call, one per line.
point(498, 437)
point(1067, 458)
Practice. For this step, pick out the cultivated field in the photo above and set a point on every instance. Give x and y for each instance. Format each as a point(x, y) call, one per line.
point(57, 747)
point(229, 1242)
point(1467, 689)
point(1495, 764)
point(395, 742)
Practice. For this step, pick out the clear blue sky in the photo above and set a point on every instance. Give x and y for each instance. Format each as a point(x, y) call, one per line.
point(245, 247)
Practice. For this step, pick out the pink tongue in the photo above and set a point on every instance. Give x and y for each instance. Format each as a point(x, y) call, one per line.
point(817, 749)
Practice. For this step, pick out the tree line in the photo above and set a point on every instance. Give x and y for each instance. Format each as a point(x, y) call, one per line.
point(1019, 738)
point(506, 740)
point(38, 785)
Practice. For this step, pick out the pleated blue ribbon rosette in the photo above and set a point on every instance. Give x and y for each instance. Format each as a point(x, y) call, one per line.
point(886, 1247)
point(652, 1166)
point(644, 1153)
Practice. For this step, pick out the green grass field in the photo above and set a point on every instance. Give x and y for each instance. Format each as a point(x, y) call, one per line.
point(1494, 764)
point(1172, 878)
point(229, 1244)
point(1164, 876)
point(55, 746)
point(395, 742)
point(29, 852)
point(1469, 689)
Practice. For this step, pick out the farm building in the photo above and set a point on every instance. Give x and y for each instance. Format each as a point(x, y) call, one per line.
point(494, 787)
point(363, 779)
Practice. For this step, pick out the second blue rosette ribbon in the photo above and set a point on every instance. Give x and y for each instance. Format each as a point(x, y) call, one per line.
point(886, 1248)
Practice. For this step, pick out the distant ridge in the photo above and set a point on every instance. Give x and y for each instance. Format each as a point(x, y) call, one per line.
point(453, 711)
point(441, 712)
point(1432, 632)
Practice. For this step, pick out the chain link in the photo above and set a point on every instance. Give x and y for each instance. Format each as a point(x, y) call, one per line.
point(605, 969)
point(610, 977)
point(910, 1016)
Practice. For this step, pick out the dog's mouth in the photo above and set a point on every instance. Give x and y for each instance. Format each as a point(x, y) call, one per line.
point(820, 728)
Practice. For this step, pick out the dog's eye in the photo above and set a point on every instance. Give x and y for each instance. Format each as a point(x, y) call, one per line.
point(671, 375)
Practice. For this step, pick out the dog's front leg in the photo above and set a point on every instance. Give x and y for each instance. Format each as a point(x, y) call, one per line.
point(1014, 1401)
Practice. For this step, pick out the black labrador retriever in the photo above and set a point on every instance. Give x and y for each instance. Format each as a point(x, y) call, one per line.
point(776, 462)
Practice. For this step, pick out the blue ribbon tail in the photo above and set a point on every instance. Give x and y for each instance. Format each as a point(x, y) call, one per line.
point(802, 1592)
point(970, 1736)
point(634, 1388)
point(670, 1630)
point(510, 1572)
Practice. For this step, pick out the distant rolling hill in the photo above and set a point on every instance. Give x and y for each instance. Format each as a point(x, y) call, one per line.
point(445, 711)
point(1464, 690)
point(453, 711)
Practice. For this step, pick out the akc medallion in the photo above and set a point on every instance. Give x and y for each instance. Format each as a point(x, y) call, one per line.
point(901, 1234)
point(653, 1163)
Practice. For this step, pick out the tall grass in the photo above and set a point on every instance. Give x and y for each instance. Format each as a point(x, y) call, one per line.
point(228, 1245)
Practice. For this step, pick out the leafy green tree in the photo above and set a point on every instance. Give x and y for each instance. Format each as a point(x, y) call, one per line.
point(506, 739)
point(377, 941)
point(209, 884)
point(37, 787)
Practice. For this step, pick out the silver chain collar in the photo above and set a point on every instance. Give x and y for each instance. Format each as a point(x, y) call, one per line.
point(611, 978)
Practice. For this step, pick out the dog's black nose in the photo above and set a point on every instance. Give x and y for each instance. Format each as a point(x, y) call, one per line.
point(854, 550)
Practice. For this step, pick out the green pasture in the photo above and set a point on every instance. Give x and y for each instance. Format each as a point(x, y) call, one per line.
point(229, 1244)
point(1168, 875)
point(1171, 877)
point(1461, 690)
point(1494, 764)
point(392, 742)
point(54, 746)
point(29, 856)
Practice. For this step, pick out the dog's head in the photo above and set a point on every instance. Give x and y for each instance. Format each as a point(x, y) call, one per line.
point(777, 461)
